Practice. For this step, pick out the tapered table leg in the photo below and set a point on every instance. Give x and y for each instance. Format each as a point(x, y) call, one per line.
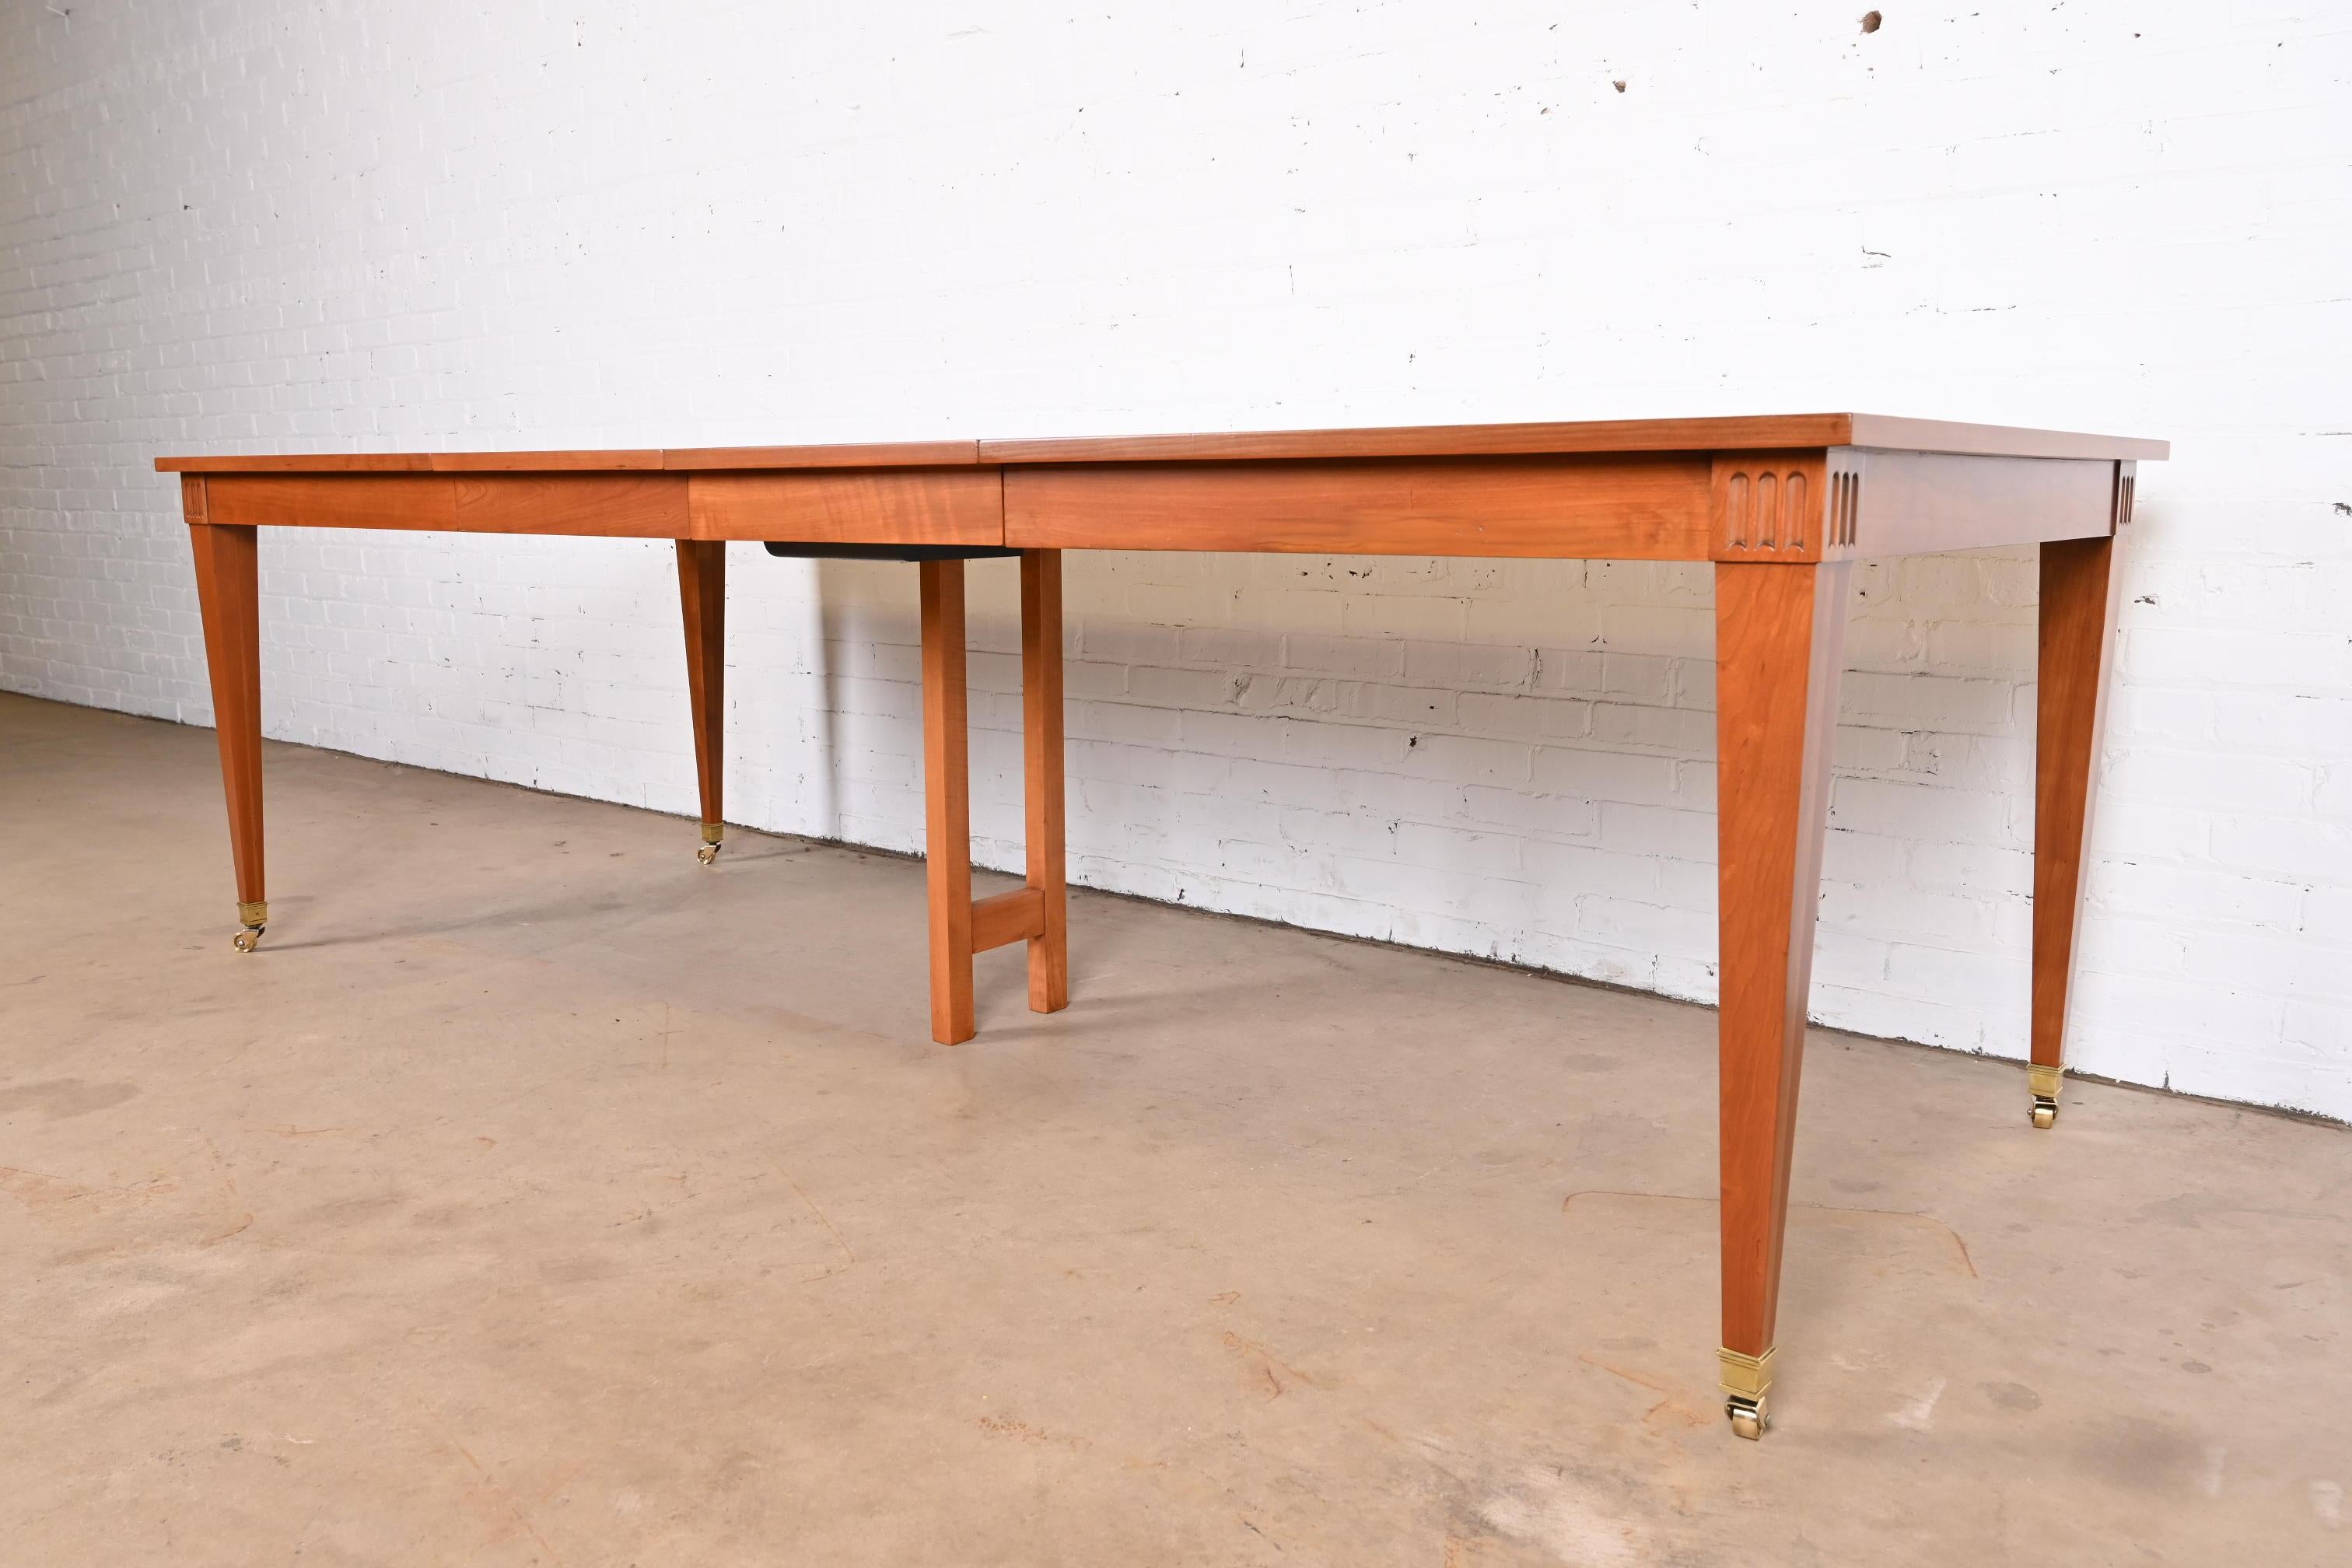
point(1779, 630)
point(702, 596)
point(1042, 777)
point(2078, 614)
point(947, 815)
point(228, 592)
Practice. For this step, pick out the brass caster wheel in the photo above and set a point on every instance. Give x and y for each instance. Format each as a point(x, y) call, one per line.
point(2044, 1083)
point(1747, 1417)
point(708, 854)
point(254, 915)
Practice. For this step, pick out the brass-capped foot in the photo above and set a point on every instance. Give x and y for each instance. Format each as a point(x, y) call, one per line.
point(1746, 1381)
point(256, 916)
point(2044, 1082)
point(712, 832)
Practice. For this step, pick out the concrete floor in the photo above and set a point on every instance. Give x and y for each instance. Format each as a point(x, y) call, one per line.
point(537, 1196)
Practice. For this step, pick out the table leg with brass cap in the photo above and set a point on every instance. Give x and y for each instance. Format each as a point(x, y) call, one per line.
point(2079, 588)
point(702, 596)
point(228, 596)
point(1779, 637)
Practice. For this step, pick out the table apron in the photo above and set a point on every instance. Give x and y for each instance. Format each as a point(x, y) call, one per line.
point(1919, 503)
point(1799, 506)
point(625, 505)
point(1642, 507)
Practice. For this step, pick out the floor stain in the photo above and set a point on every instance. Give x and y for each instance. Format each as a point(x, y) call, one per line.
point(1543, 1508)
point(1919, 1414)
point(1265, 1371)
point(1022, 1432)
point(57, 1098)
point(2012, 1395)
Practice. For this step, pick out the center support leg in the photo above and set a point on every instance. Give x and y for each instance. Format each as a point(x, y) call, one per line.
point(1038, 912)
point(947, 804)
point(1042, 776)
point(702, 596)
point(1778, 632)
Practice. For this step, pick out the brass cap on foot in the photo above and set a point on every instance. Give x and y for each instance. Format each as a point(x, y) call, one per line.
point(1750, 1377)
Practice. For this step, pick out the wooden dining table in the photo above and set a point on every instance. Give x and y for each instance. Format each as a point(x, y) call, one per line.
point(1781, 505)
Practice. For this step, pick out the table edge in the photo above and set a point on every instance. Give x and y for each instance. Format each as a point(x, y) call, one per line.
point(1584, 437)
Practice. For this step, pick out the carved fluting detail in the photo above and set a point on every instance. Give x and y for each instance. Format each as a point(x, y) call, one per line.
point(2126, 481)
point(1765, 510)
point(1845, 507)
point(1773, 506)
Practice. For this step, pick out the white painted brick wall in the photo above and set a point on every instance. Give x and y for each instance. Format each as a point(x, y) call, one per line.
point(238, 226)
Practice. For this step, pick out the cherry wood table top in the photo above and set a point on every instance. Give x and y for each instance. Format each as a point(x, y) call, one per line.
point(1736, 432)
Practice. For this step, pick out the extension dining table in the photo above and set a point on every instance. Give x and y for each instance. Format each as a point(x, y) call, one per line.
point(1780, 505)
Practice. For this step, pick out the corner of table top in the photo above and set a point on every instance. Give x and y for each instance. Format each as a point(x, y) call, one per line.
point(1889, 432)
